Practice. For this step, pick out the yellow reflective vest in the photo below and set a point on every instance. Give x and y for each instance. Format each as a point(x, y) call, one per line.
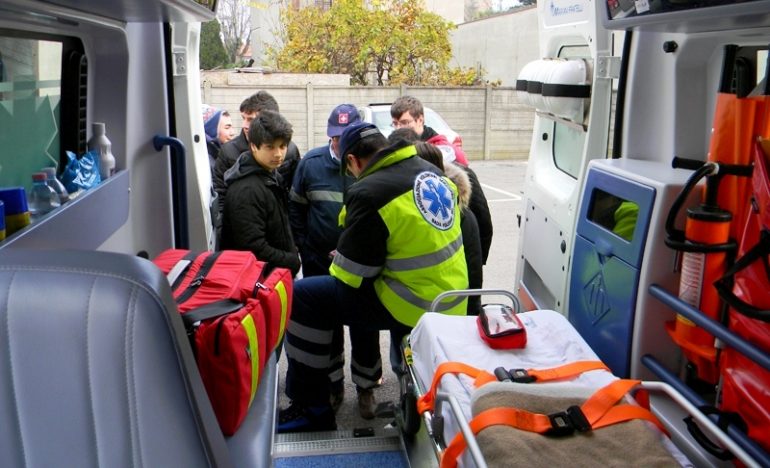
point(402, 229)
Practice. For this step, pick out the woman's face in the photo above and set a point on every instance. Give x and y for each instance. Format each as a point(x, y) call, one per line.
point(225, 131)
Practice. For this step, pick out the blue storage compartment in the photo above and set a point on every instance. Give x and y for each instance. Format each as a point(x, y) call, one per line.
point(612, 230)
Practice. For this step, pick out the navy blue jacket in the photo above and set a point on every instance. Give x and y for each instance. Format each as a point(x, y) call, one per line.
point(315, 202)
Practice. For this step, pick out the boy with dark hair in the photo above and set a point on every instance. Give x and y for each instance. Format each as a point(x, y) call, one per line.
point(250, 109)
point(255, 215)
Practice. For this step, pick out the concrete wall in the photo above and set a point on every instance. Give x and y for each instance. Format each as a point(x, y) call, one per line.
point(450, 10)
point(500, 44)
point(491, 121)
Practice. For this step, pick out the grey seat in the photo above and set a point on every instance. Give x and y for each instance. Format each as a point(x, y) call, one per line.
point(96, 370)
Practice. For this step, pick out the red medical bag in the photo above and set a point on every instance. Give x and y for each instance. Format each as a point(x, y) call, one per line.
point(234, 317)
point(200, 278)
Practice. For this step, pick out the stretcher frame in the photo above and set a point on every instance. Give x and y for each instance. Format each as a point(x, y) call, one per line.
point(410, 422)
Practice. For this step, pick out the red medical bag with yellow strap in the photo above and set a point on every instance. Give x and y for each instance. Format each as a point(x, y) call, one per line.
point(746, 289)
point(235, 315)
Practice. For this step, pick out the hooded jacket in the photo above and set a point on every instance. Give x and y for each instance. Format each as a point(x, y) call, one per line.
point(470, 231)
point(256, 216)
point(230, 152)
point(211, 116)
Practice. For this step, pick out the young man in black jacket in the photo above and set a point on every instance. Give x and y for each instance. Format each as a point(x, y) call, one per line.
point(250, 109)
point(256, 214)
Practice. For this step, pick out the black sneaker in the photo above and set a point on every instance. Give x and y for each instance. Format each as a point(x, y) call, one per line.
point(298, 418)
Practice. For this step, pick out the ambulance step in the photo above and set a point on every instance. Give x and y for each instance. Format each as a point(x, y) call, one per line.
point(340, 448)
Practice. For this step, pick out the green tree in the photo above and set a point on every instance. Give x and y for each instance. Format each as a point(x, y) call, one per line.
point(212, 51)
point(390, 41)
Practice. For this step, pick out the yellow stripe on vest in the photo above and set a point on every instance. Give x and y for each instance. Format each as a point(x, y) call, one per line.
point(280, 288)
point(251, 333)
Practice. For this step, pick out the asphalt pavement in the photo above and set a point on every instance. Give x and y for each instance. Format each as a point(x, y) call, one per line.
point(503, 182)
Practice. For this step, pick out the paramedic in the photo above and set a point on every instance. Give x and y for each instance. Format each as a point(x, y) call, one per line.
point(255, 215)
point(400, 247)
point(315, 202)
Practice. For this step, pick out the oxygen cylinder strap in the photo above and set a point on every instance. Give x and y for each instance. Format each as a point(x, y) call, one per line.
point(427, 401)
point(600, 410)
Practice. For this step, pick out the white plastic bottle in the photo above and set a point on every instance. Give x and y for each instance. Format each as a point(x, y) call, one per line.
point(102, 144)
point(42, 198)
point(56, 184)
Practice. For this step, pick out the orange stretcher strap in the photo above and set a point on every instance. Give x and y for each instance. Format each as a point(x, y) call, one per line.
point(598, 411)
point(427, 401)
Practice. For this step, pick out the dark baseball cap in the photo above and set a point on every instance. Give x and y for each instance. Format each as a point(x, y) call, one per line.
point(353, 134)
point(342, 116)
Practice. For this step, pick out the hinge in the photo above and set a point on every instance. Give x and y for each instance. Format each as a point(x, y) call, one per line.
point(608, 67)
point(180, 62)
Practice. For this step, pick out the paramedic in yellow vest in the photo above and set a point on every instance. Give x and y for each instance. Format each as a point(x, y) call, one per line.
point(400, 247)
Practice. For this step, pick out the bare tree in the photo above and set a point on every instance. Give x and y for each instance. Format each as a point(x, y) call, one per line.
point(235, 18)
point(471, 10)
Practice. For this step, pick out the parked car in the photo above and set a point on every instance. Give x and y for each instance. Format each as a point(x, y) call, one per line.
point(379, 115)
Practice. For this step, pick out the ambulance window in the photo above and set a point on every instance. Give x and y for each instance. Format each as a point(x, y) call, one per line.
point(568, 140)
point(614, 214)
point(568, 148)
point(34, 115)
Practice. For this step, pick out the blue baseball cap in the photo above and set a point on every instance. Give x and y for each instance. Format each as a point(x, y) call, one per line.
point(342, 116)
point(351, 136)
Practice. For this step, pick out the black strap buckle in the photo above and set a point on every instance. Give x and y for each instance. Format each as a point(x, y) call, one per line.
point(567, 422)
point(521, 376)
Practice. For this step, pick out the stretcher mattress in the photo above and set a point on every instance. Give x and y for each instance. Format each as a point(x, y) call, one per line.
point(551, 341)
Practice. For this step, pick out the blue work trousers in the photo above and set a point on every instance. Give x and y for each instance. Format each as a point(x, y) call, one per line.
point(365, 360)
point(321, 304)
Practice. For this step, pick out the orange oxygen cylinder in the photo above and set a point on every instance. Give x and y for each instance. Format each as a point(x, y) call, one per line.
point(705, 226)
point(707, 248)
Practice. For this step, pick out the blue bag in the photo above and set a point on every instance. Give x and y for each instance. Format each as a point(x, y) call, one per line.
point(81, 173)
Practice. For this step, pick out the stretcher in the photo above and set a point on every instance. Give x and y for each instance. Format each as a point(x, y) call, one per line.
point(551, 342)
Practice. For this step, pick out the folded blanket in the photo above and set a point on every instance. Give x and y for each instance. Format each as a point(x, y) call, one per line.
point(632, 443)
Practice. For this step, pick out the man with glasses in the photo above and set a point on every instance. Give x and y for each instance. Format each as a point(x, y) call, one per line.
point(407, 112)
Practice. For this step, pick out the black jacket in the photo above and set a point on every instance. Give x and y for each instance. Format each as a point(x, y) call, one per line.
point(234, 148)
point(470, 229)
point(256, 215)
point(480, 208)
point(228, 154)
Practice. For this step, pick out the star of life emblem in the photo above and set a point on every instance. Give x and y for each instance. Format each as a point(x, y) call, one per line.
point(435, 200)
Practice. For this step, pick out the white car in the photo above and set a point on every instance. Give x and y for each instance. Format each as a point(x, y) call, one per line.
point(379, 115)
